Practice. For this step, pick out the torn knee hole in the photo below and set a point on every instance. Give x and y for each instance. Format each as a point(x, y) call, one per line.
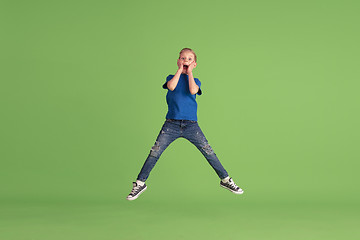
point(207, 148)
point(156, 146)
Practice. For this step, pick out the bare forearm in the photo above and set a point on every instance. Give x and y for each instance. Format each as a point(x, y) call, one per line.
point(193, 87)
point(174, 81)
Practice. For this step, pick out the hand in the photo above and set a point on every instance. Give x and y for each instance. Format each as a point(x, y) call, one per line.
point(180, 64)
point(191, 67)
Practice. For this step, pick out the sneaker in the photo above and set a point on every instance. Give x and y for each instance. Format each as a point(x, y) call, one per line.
point(230, 185)
point(136, 191)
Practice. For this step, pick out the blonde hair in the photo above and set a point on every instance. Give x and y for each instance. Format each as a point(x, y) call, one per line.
point(188, 49)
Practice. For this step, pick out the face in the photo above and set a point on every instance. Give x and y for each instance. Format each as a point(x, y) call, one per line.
point(186, 57)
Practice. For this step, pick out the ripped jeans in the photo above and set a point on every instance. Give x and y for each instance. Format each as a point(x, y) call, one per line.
point(170, 131)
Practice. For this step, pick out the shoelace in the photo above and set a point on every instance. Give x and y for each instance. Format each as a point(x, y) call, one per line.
point(233, 185)
point(135, 189)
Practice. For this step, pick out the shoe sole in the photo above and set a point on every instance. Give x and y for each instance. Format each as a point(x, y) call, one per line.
point(232, 190)
point(135, 197)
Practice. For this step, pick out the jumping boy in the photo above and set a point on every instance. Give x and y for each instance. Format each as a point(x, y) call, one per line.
point(181, 121)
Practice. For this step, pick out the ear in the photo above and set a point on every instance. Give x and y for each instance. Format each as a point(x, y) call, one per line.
point(195, 65)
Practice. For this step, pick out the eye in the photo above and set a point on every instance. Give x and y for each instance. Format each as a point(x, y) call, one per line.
point(190, 59)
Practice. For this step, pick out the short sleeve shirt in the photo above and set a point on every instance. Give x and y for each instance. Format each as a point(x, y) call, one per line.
point(181, 103)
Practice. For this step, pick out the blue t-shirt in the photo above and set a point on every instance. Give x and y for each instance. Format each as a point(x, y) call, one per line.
point(182, 104)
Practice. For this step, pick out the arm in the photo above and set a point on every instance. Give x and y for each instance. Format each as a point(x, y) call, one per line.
point(174, 81)
point(193, 87)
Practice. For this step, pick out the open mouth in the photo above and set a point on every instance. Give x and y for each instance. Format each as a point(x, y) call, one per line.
point(185, 66)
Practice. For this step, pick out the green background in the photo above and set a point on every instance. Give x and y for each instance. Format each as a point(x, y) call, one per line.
point(82, 104)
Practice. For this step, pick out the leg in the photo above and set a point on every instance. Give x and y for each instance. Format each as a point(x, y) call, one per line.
point(196, 137)
point(166, 136)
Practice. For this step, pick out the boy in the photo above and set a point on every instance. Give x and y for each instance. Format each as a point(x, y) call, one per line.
point(181, 121)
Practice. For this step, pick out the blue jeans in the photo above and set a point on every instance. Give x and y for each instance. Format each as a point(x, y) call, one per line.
point(170, 131)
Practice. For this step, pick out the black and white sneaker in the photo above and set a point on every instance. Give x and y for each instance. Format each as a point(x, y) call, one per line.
point(231, 186)
point(136, 191)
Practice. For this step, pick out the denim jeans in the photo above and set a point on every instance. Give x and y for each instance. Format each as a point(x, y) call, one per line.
point(170, 131)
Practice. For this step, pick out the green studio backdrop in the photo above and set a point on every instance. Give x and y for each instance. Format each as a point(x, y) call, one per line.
point(82, 103)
